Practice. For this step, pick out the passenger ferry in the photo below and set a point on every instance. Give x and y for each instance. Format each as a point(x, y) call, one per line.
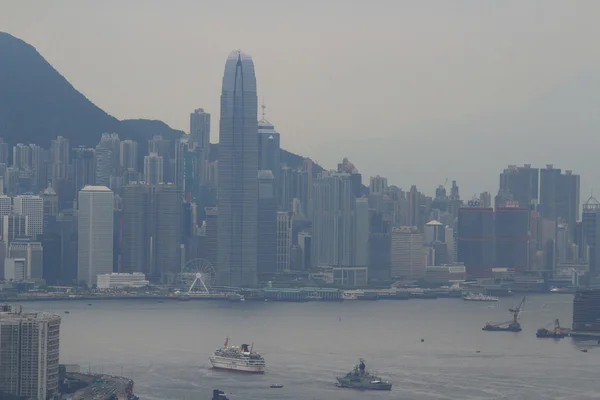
point(234, 358)
point(478, 297)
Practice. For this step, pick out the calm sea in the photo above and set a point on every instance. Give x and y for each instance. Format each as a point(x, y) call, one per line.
point(165, 347)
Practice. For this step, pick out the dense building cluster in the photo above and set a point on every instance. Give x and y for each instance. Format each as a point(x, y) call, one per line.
point(71, 214)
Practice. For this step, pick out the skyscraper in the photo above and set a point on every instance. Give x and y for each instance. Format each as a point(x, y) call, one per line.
point(511, 227)
point(559, 195)
point(33, 208)
point(153, 169)
point(238, 166)
point(111, 142)
point(104, 165)
point(519, 184)
point(84, 169)
point(269, 149)
point(200, 128)
point(30, 351)
point(95, 244)
point(129, 155)
point(284, 240)
point(136, 218)
point(408, 253)
point(267, 223)
point(476, 240)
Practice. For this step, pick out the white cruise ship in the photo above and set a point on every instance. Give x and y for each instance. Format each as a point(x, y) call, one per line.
point(241, 358)
point(478, 297)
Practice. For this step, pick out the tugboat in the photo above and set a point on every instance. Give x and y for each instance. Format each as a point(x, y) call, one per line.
point(359, 378)
point(276, 386)
point(219, 395)
point(510, 326)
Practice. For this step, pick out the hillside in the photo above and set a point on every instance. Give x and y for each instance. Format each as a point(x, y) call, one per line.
point(37, 104)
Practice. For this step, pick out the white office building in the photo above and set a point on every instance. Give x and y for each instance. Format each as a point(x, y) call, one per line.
point(33, 208)
point(95, 237)
point(122, 280)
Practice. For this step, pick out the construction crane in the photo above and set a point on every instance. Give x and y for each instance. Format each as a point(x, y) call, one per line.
point(511, 326)
point(556, 333)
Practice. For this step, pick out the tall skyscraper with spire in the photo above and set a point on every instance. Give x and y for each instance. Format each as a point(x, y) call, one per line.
point(238, 168)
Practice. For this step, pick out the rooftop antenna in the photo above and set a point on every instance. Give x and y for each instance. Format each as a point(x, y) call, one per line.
point(263, 110)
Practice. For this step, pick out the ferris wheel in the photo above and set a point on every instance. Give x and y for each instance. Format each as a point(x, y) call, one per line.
point(197, 276)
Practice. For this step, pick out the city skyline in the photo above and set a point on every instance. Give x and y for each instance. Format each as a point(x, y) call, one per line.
point(455, 90)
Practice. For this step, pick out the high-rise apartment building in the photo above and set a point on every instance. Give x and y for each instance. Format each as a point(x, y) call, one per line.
point(96, 233)
point(33, 208)
point(238, 166)
point(284, 240)
point(3, 152)
point(21, 156)
point(162, 147)
point(30, 354)
point(39, 162)
point(475, 240)
point(378, 184)
point(200, 129)
point(111, 141)
point(104, 165)
point(129, 155)
point(408, 257)
point(153, 169)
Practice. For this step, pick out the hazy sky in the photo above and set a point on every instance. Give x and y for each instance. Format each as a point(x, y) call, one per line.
point(413, 90)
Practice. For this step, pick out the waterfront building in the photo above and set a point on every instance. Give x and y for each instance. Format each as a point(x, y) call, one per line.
point(586, 311)
point(122, 280)
point(334, 221)
point(31, 207)
point(380, 245)
point(136, 219)
point(95, 233)
point(591, 234)
point(475, 240)
point(30, 354)
point(511, 226)
point(284, 240)
point(268, 238)
point(32, 252)
point(408, 256)
point(238, 166)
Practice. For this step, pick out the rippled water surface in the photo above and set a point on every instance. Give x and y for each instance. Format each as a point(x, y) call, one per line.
point(165, 347)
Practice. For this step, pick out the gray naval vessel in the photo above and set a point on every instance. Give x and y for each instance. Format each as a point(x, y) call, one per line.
point(359, 378)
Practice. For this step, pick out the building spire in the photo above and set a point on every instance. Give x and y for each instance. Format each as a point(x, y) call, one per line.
point(264, 108)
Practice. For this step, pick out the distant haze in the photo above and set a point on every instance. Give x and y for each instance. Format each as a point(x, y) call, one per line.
point(413, 90)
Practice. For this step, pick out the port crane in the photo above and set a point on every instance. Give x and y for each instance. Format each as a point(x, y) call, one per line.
point(511, 326)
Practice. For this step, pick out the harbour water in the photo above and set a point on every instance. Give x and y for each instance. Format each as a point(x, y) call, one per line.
point(165, 347)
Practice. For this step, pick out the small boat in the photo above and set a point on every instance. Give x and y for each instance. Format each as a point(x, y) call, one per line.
point(276, 386)
point(584, 350)
point(66, 312)
point(89, 304)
